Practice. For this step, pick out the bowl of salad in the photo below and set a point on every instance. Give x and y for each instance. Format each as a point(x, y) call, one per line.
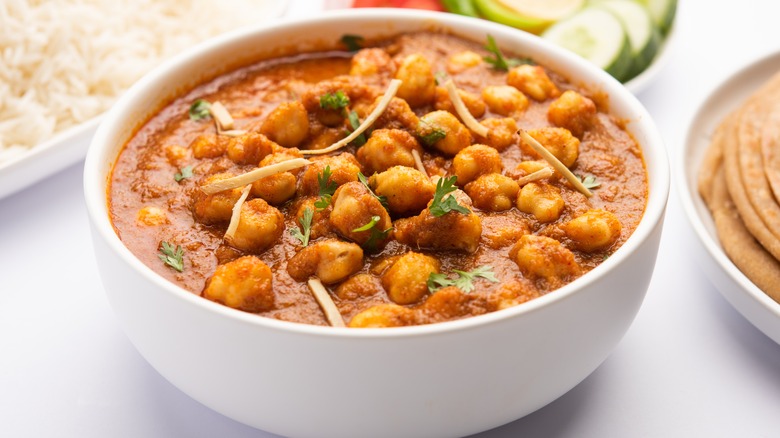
point(629, 39)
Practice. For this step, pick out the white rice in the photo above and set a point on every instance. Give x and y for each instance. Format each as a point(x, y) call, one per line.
point(63, 62)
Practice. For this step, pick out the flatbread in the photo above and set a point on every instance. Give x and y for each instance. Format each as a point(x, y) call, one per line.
point(770, 151)
point(744, 251)
point(713, 158)
point(752, 120)
point(738, 191)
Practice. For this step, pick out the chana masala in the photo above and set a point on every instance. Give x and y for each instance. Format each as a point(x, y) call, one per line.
point(410, 180)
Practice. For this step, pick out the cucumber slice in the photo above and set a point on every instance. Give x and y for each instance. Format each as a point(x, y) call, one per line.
point(596, 35)
point(662, 12)
point(494, 10)
point(643, 36)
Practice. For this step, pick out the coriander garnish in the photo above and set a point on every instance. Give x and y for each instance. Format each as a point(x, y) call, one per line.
point(497, 59)
point(199, 110)
point(327, 189)
point(353, 42)
point(376, 236)
point(382, 199)
point(589, 182)
point(184, 173)
point(305, 222)
point(464, 280)
point(430, 134)
point(173, 257)
point(334, 101)
point(441, 206)
point(354, 122)
point(374, 220)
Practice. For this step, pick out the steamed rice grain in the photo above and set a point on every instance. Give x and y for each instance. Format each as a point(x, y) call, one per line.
point(63, 62)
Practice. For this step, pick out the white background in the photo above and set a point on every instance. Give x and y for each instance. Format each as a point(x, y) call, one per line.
point(689, 366)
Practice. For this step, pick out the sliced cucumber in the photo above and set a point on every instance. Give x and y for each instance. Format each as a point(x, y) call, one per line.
point(494, 10)
point(662, 12)
point(596, 35)
point(642, 34)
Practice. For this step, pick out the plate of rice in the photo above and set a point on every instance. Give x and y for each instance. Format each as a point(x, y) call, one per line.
point(64, 62)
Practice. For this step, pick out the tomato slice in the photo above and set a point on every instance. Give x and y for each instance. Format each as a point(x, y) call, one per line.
point(431, 5)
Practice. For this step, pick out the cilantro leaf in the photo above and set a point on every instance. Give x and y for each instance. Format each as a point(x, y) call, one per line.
point(382, 199)
point(464, 280)
point(376, 236)
point(497, 59)
point(334, 101)
point(184, 173)
point(440, 205)
point(173, 257)
point(589, 181)
point(353, 42)
point(374, 220)
point(327, 189)
point(199, 110)
point(305, 222)
point(354, 122)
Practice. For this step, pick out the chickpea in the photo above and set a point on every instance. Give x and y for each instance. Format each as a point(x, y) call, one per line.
point(456, 136)
point(287, 125)
point(397, 115)
point(493, 192)
point(463, 61)
point(358, 286)
point(383, 315)
point(259, 226)
point(504, 99)
point(558, 141)
point(330, 260)
point(216, 208)
point(572, 111)
point(343, 169)
point(453, 230)
point(245, 284)
point(249, 148)
point(176, 154)
point(387, 148)
point(474, 161)
point(448, 303)
point(407, 190)
point(525, 168)
point(322, 138)
point(353, 208)
point(349, 87)
point(320, 225)
point(533, 81)
point(209, 146)
point(512, 293)
point(151, 216)
point(540, 257)
point(279, 188)
point(473, 103)
point(502, 133)
point(544, 201)
point(406, 282)
point(419, 85)
point(369, 62)
point(594, 230)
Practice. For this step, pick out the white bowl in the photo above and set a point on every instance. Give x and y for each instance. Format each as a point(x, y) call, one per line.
point(448, 379)
point(739, 291)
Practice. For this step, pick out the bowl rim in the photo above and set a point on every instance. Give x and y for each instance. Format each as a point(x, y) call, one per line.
point(95, 181)
point(688, 194)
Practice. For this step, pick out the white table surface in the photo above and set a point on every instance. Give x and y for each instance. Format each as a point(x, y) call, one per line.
point(689, 366)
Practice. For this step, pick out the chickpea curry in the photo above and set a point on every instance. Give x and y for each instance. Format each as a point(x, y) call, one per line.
point(413, 180)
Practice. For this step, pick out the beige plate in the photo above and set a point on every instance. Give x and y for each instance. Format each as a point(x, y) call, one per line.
point(738, 290)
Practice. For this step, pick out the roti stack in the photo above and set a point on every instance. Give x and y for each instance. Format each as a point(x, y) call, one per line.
point(740, 182)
